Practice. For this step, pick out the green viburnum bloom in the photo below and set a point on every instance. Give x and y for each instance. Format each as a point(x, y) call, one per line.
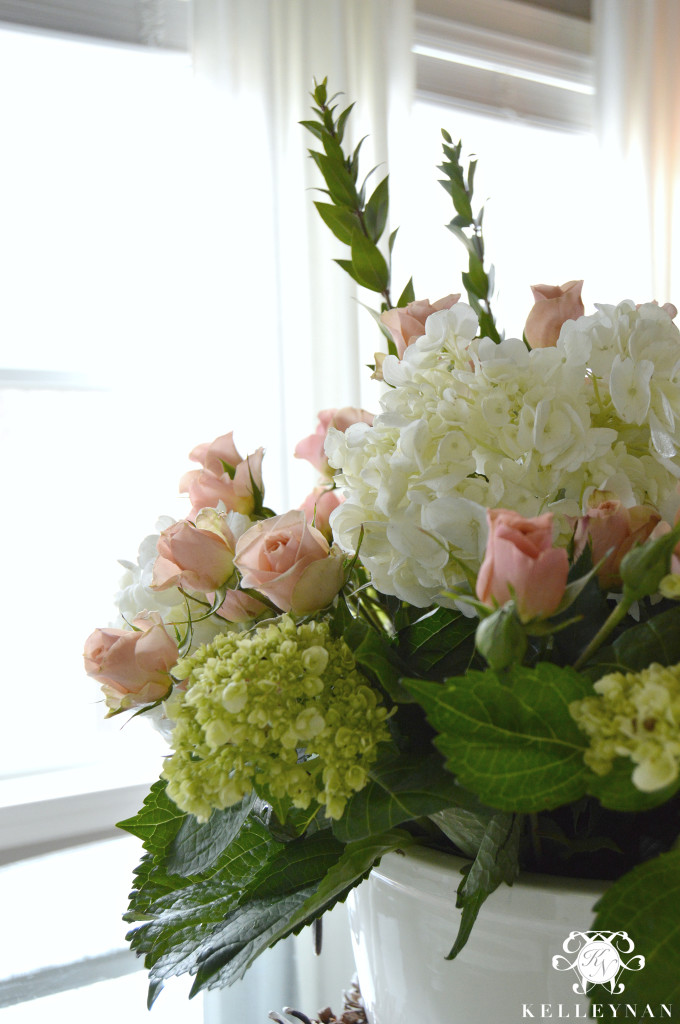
point(636, 715)
point(253, 701)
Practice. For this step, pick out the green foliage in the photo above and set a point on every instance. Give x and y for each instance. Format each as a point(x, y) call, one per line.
point(468, 230)
point(356, 221)
point(211, 898)
point(646, 904)
point(656, 639)
point(510, 738)
point(496, 861)
point(402, 787)
point(439, 644)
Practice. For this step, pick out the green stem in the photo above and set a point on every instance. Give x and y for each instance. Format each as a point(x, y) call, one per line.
point(604, 631)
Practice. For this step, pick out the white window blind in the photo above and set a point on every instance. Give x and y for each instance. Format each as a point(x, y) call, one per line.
point(508, 59)
point(161, 23)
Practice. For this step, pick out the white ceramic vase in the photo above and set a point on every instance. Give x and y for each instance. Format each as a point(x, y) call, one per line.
point(404, 921)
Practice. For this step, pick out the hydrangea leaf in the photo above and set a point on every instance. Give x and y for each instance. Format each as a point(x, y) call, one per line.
point(401, 787)
point(496, 862)
point(259, 926)
point(375, 653)
point(511, 740)
point(256, 892)
point(656, 640)
point(158, 821)
point(616, 791)
point(442, 643)
point(464, 826)
point(646, 904)
point(190, 924)
point(198, 845)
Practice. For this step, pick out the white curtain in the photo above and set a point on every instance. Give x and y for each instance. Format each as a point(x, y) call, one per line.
point(256, 61)
point(638, 101)
point(295, 339)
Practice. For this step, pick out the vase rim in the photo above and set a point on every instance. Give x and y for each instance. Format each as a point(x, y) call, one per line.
point(422, 864)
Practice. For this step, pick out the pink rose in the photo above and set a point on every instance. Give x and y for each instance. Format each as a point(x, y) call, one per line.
point(406, 324)
point(290, 563)
point(612, 530)
point(225, 477)
point(520, 555)
point(198, 557)
point(240, 607)
point(312, 447)
point(133, 665)
point(318, 506)
point(553, 305)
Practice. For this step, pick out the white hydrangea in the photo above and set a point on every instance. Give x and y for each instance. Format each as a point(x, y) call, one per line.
point(468, 424)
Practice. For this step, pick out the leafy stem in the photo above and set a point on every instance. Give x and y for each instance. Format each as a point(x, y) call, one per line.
point(357, 221)
point(467, 227)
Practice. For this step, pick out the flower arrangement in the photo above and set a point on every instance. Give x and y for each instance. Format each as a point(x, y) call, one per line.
point(467, 637)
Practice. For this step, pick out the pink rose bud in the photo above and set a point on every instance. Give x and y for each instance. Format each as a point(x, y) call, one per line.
point(290, 563)
point(312, 447)
point(612, 530)
point(520, 557)
point(225, 477)
point(132, 665)
point(318, 506)
point(406, 324)
point(199, 557)
point(553, 305)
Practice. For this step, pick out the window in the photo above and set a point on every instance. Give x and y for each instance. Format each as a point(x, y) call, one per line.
point(110, 346)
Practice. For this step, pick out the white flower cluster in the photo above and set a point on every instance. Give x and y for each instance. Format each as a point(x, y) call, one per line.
point(468, 424)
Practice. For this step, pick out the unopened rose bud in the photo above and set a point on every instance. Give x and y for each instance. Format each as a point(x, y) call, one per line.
point(501, 639)
point(643, 568)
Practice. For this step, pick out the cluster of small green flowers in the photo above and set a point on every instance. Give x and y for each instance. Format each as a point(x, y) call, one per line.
point(636, 715)
point(253, 701)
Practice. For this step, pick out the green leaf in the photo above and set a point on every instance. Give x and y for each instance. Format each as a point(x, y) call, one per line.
point(223, 917)
point(496, 862)
point(333, 149)
point(646, 904)
point(439, 644)
point(249, 933)
point(402, 787)
point(158, 822)
point(314, 127)
point(376, 210)
point(657, 639)
point(338, 180)
point(465, 827)
point(342, 120)
point(408, 294)
point(197, 846)
point(376, 654)
point(616, 790)
point(349, 268)
point(369, 264)
point(320, 93)
point(342, 222)
point(475, 280)
point(353, 866)
point(510, 739)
